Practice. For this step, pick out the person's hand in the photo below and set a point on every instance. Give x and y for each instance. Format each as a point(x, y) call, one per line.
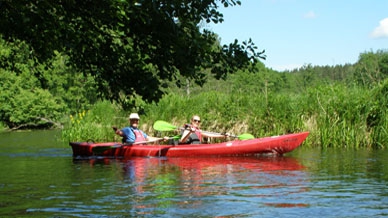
point(117, 131)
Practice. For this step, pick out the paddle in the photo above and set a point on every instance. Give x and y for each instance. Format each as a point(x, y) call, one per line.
point(100, 149)
point(161, 125)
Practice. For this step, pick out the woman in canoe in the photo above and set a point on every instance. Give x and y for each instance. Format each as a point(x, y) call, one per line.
point(192, 134)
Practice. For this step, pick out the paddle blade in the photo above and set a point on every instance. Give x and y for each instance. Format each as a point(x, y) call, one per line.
point(161, 125)
point(245, 136)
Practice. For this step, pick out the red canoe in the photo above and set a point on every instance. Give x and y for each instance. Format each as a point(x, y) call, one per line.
point(276, 145)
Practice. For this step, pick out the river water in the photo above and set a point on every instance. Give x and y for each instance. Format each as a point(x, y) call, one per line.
point(40, 178)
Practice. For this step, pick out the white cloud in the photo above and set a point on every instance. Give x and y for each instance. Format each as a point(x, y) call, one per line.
point(310, 15)
point(382, 30)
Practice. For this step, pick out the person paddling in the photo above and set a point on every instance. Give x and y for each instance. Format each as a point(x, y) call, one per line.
point(132, 133)
point(192, 134)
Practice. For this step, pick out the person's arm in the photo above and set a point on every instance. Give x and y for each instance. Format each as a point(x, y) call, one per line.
point(117, 131)
point(185, 135)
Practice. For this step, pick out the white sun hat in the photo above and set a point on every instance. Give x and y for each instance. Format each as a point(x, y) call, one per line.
point(134, 116)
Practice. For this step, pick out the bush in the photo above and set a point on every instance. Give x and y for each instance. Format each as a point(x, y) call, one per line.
point(92, 125)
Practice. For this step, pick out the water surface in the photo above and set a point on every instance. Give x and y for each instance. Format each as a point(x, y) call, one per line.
point(40, 178)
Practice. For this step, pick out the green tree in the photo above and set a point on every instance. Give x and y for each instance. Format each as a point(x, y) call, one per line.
point(36, 95)
point(371, 68)
point(24, 105)
point(129, 47)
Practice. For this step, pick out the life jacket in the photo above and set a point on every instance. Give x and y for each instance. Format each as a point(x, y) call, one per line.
point(195, 137)
point(138, 135)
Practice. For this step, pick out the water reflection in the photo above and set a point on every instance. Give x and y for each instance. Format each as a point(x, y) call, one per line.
point(200, 180)
point(318, 183)
point(198, 169)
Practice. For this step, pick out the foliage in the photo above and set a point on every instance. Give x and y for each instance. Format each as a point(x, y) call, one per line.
point(92, 125)
point(312, 76)
point(372, 68)
point(35, 94)
point(335, 115)
point(220, 112)
point(340, 115)
point(22, 102)
point(329, 102)
point(129, 47)
point(2, 127)
point(377, 119)
point(335, 112)
point(23, 105)
point(78, 91)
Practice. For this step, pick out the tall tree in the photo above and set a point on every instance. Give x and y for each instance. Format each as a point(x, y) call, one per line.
point(129, 46)
point(371, 68)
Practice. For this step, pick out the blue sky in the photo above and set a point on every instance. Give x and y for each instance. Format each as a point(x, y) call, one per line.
point(300, 32)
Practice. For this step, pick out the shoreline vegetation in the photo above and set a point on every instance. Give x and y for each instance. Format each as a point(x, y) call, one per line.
point(341, 106)
point(335, 116)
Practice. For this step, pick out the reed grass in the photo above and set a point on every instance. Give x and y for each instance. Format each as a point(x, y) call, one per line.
point(335, 115)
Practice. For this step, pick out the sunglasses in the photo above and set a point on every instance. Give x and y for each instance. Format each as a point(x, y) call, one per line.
point(198, 121)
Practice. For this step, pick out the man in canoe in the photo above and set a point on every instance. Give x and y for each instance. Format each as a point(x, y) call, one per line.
point(192, 134)
point(132, 133)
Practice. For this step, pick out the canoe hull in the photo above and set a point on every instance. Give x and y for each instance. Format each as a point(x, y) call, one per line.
point(276, 145)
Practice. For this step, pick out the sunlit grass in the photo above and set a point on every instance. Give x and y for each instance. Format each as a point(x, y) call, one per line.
point(335, 116)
